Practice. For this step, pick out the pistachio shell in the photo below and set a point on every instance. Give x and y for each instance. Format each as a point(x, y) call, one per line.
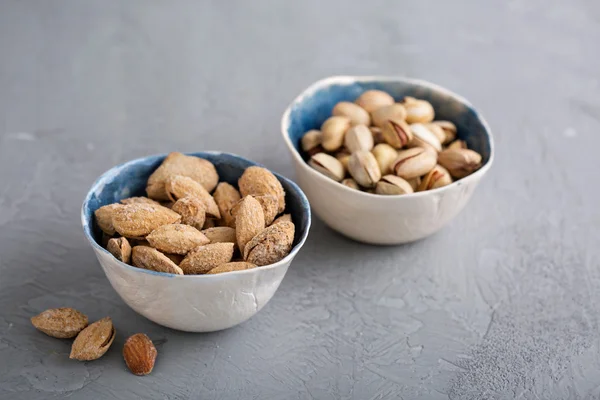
point(436, 178)
point(460, 162)
point(449, 130)
point(311, 139)
point(458, 144)
point(423, 137)
point(359, 137)
point(371, 100)
point(377, 135)
point(385, 156)
point(198, 169)
point(354, 112)
point(397, 133)
point(351, 183)
point(395, 112)
point(328, 166)
point(393, 185)
point(364, 168)
point(414, 162)
point(418, 110)
point(334, 129)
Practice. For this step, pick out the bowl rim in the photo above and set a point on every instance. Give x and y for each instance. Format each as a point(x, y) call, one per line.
point(348, 79)
point(117, 168)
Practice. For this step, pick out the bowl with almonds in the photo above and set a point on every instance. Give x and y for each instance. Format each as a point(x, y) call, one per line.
point(196, 242)
point(386, 160)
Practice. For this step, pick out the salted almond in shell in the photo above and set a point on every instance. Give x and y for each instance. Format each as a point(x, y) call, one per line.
point(258, 181)
point(139, 199)
point(226, 196)
point(139, 219)
point(104, 218)
point(196, 168)
point(283, 218)
point(270, 245)
point(93, 341)
point(120, 248)
point(231, 266)
point(220, 234)
point(204, 258)
point(149, 258)
point(192, 211)
point(139, 354)
point(61, 323)
point(176, 238)
point(179, 186)
point(249, 221)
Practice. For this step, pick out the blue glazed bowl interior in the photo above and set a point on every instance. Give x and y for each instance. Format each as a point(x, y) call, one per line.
point(130, 179)
point(316, 106)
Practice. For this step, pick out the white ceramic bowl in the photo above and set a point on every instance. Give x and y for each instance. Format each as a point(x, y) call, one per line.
point(193, 303)
point(374, 218)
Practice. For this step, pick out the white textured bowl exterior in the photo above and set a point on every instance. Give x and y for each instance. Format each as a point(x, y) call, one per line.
point(378, 219)
point(204, 303)
point(382, 219)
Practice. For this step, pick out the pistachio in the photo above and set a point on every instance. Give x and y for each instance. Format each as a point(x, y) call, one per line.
point(359, 137)
point(437, 130)
point(356, 113)
point(397, 133)
point(414, 162)
point(377, 135)
point(334, 129)
point(460, 162)
point(392, 184)
point(328, 166)
point(394, 111)
point(311, 139)
point(351, 183)
point(371, 100)
point(423, 137)
point(414, 182)
point(436, 178)
point(343, 156)
point(458, 144)
point(449, 130)
point(385, 155)
point(364, 168)
point(418, 110)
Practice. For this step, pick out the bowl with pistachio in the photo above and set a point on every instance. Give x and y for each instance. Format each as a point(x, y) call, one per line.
point(386, 160)
point(197, 242)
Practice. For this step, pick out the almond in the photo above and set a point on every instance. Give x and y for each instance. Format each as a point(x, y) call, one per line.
point(226, 196)
point(204, 258)
point(179, 186)
point(148, 258)
point(139, 354)
point(93, 341)
point(249, 221)
point(104, 217)
point(220, 234)
point(131, 200)
point(231, 266)
point(199, 169)
point(176, 238)
point(284, 217)
point(62, 323)
point(258, 181)
point(120, 248)
point(139, 219)
point(268, 203)
point(270, 245)
point(192, 211)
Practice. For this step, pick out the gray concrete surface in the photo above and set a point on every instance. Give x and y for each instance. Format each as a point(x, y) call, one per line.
point(501, 304)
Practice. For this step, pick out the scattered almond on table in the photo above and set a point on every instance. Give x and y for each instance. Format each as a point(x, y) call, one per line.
point(384, 147)
point(181, 228)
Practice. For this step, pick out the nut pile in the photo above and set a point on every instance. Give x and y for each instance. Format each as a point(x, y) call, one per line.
point(388, 148)
point(93, 341)
point(181, 228)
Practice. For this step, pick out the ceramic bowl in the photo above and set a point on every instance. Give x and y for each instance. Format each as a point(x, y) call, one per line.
point(374, 218)
point(193, 303)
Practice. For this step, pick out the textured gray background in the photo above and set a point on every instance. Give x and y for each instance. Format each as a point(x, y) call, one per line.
point(501, 304)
